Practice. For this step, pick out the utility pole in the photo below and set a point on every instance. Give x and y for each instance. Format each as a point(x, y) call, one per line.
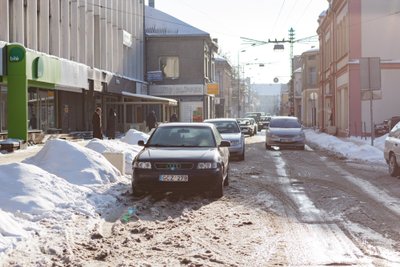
point(279, 46)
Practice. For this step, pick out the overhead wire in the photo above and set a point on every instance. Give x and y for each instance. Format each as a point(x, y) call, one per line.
point(279, 14)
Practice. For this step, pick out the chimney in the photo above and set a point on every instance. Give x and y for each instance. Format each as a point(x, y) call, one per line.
point(151, 3)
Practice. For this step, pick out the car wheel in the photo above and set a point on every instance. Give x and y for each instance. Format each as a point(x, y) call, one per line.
point(226, 181)
point(241, 157)
point(218, 192)
point(136, 192)
point(393, 167)
point(268, 147)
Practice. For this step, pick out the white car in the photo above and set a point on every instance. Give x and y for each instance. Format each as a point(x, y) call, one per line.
point(245, 126)
point(392, 150)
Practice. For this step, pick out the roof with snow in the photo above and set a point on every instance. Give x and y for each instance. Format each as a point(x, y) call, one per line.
point(158, 23)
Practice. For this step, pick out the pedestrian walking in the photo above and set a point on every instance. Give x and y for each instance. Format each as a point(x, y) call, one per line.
point(173, 118)
point(96, 123)
point(151, 120)
point(111, 124)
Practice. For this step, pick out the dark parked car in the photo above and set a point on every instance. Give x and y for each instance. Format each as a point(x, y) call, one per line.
point(263, 123)
point(285, 131)
point(230, 130)
point(182, 157)
point(392, 150)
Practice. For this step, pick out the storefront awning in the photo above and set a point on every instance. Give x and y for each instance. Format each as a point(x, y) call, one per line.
point(151, 99)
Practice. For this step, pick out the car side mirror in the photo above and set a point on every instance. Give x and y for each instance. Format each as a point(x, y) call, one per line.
point(225, 143)
point(140, 143)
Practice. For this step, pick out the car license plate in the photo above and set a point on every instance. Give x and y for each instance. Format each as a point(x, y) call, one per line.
point(286, 140)
point(174, 178)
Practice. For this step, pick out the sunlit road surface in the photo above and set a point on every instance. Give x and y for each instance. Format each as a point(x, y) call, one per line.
point(282, 207)
point(315, 234)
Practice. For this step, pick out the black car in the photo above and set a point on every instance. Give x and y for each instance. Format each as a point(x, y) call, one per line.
point(181, 157)
point(263, 123)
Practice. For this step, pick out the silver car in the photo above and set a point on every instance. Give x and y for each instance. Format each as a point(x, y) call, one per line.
point(285, 131)
point(230, 130)
point(392, 150)
point(245, 126)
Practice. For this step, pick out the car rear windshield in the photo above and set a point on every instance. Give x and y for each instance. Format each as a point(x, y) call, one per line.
point(284, 123)
point(179, 136)
point(224, 127)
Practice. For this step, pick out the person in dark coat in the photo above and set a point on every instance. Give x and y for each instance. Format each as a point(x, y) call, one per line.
point(33, 122)
point(96, 123)
point(151, 120)
point(173, 118)
point(111, 124)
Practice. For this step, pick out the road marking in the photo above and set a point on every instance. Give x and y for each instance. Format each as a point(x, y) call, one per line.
point(313, 241)
point(372, 191)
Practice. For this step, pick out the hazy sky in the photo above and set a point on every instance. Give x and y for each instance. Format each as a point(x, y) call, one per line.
point(228, 20)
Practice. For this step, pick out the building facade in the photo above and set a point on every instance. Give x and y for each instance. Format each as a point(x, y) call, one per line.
point(310, 93)
point(92, 53)
point(182, 57)
point(298, 88)
point(223, 77)
point(349, 31)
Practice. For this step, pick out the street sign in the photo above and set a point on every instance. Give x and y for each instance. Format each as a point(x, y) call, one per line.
point(154, 76)
point(370, 73)
point(370, 76)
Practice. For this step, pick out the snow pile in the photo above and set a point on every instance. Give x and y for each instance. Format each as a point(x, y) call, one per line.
point(129, 151)
point(75, 163)
point(351, 148)
point(12, 230)
point(30, 189)
point(133, 136)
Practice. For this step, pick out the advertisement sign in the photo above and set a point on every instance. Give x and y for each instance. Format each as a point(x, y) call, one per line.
point(16, 54)
point(213, 88)
point(126, 38)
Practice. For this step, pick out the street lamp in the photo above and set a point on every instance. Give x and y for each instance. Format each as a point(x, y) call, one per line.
point(238, 81)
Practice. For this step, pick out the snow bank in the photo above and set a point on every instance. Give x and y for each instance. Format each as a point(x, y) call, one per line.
point(130, 151)
point(12, 230)
point(133, 136)
point(30, 189)
point(351, 148)
point(75, 163)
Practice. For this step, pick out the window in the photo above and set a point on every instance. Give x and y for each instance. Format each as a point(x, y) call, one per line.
point(312, 76)
point(169, 67)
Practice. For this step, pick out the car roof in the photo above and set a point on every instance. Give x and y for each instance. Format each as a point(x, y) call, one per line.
point(186, 124)
point(284, 117)
point(220, 119)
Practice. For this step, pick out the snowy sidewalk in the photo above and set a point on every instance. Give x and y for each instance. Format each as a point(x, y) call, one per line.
point(351, 147)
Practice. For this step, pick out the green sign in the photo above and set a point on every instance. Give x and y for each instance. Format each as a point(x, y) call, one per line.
point(16, 54)
point(17, 93)
point(38, 67)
